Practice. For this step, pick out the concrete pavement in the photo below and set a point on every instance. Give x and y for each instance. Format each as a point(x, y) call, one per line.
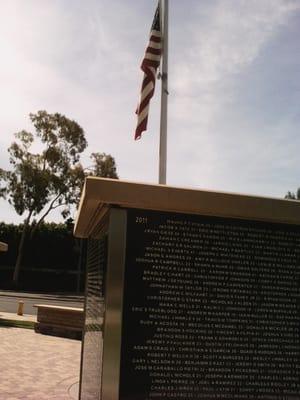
point(37, 367)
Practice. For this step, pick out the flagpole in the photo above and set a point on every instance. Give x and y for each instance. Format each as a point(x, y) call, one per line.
point(164, 13)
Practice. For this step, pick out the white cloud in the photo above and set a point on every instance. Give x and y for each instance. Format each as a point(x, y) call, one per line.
point(227, 39)
point(222, 41)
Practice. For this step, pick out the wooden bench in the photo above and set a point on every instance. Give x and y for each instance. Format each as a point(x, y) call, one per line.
point(59, 321)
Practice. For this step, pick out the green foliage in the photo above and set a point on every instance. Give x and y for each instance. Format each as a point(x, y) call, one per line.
point(293, 196)
point(17, 324)
point(52, 247)
point(50, 260)
point(53, 176)
point(10, 234)
point(103, 165)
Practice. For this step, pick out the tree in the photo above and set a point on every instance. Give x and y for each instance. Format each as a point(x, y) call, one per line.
point(46, 180)
point(40, 182)
point(103, 165)
point(293, 196)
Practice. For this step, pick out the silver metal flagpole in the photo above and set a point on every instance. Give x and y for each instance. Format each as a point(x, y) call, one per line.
point(164, 13)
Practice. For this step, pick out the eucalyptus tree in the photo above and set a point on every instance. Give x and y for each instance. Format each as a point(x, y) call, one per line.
point(292, 195)
point(104, 165)
point(45, 170)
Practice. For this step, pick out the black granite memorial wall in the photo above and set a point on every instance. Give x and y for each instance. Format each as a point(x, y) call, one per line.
point(91, 360)
point(210, 309)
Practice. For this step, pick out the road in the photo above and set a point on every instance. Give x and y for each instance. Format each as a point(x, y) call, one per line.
point(9, 301)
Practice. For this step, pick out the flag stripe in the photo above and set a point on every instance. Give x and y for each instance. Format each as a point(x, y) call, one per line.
point(155, 45)
point(144, 113)
point(154, 38)
point(151, 63)
point(149, 76)
point(147, 94)
point(153, 57)
point(145, 102)
point(153, 52)
point(149, 66)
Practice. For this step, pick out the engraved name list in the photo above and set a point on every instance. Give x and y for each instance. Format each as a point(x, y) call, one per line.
point(211, 308)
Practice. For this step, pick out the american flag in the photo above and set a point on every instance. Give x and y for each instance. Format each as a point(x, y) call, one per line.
point(149, 66)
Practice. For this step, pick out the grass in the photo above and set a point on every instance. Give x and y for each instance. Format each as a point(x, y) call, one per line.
point(16, 324)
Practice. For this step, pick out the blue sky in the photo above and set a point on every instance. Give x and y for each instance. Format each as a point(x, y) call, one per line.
point(233, 79)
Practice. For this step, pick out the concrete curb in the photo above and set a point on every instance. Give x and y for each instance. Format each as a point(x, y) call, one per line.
point(16, 317)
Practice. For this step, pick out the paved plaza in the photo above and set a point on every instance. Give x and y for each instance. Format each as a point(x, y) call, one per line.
point(38, 367)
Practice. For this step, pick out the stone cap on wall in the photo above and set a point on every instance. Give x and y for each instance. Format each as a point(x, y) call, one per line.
point(100, 193)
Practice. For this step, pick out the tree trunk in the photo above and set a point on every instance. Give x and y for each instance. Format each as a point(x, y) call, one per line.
point(21, 250)
point(37, 225)
point(35, 228)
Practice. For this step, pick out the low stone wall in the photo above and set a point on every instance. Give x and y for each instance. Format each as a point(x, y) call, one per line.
point(59, 321)
point(3, 246)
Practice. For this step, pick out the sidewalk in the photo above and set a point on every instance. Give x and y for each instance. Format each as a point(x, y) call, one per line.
point(37, 367)
point(16, 317)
